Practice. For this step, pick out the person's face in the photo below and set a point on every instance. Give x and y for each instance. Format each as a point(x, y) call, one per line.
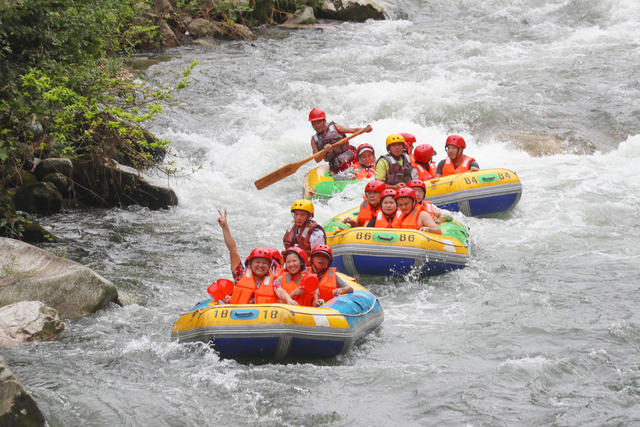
point(260, 266)
point(419, 193)
point(300, 217)
point(292, 263)
point(318, 125)
point(373, 197)
point(396, 149)
point(452, 151)
point(405, 204)
point(367, 158)
point(388, 205)
point(320, 262)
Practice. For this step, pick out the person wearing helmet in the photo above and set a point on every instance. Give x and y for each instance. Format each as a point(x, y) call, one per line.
point(253, 281)
point(388, 211)
point(394, 168)
point(409, 140)
point(276, 262)
point(456, 162)
point(326, 134)
point(423, 161)
point(296, 280)
point(303, 231)
point(412, 215)
point(330, 285)
point(370, 206)
point(439, 215)
point(364, 164)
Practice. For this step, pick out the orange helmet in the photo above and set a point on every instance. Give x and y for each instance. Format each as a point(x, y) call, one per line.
point(388, 192)
point(409, 140)
point(417, 183)
point(316, 114)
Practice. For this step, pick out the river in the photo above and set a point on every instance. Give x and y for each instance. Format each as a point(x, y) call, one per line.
point(542, 327)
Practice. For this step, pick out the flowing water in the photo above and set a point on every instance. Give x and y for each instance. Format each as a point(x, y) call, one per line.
point(543, 326)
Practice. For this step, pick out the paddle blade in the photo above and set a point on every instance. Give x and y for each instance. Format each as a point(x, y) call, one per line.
point(310, 283)
point(277, 175)
point(220, 289)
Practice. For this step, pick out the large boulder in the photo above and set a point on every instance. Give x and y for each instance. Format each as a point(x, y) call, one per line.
point(301, 18)
point(17, 407)
point(52, 165)
point(28, 321)
point(41, 198)
point(99, 182)
point(353, 10)
point(33, 274)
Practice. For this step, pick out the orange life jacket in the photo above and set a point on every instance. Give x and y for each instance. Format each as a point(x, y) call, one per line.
point(425, 174)
point(245, 290)
point(366, 212)
point(327, 284)
point(427, 206)
point(362, 172)
point(302, 239)
point(449, 169)
point(408, 221)
point(383, 222)
point(289, 284)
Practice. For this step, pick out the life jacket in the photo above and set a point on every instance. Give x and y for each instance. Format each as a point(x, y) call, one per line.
point(339, 155)
point(366, 212)
point(302, 239)
point(408, 221)
point(383, 222)
point(289, 284)
point(397, 172)
point(361, 171)
point(245, 290)
point(449, 169)
point(425, 174)
point(427, 206)
point(327, 284)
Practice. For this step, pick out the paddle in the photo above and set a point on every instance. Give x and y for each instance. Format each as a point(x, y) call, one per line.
point(291, 168)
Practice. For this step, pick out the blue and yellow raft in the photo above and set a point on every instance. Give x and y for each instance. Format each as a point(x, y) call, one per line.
point(392, 252)
point(282, 331)
point(478, 193)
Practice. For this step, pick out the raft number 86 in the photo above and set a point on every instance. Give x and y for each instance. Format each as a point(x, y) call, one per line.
point(368, 235)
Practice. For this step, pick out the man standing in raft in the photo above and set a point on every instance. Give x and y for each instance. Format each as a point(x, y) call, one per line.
point(303, 232)
point(456, 162)
point(340, 156)
point(253, 282)
point(394, 168)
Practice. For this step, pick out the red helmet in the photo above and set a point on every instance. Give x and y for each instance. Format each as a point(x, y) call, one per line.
point(275, 254)
point(456, 140)
point(423, 153)
point(417, 183)
point(376, 186)
point(364, 147)
point(322, 249)
point(258, 253)
point(316, 114)
point(406, 192)
point(296, 250)
point(409, 140)
point(388, 192)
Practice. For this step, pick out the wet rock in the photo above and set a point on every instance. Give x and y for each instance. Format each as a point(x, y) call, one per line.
point(353, 10)
point(20, 177)
point(170, 38)
point(201, 27)
point(52, 165)
point(61, 182)
point(41, 198)
point(28, 321)
point(100, 183)
point(32, 274)
point(301, 17)
point(33, 232)
point(17, 407)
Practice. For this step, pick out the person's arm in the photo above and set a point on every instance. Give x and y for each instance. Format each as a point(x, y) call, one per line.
point(352, 222)
point(284, 297)
point(344, 129)
point(314, 148)
point(427, 223)
point(382, 167)
point(473, 166)
point(342, 287)
point(439, 169)
point(234, 256)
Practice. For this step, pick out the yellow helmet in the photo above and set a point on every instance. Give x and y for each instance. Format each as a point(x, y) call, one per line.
point(395, 138)
point(302, 205)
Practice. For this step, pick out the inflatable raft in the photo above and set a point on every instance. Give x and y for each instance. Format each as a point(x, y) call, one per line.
point(477, 193)
point(391, 252)
point(321, 183)
point(282, 331)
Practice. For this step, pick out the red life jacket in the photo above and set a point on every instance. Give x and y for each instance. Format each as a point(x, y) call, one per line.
point(408, 221)
point(383, 222)
point(425, 174)
point(327, 284)
point(361, 171)
point(449, 169)
point(245, 290)
point(302, 239)
point(366, 212)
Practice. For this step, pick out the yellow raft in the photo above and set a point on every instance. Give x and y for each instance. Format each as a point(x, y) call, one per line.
point(279, 331)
